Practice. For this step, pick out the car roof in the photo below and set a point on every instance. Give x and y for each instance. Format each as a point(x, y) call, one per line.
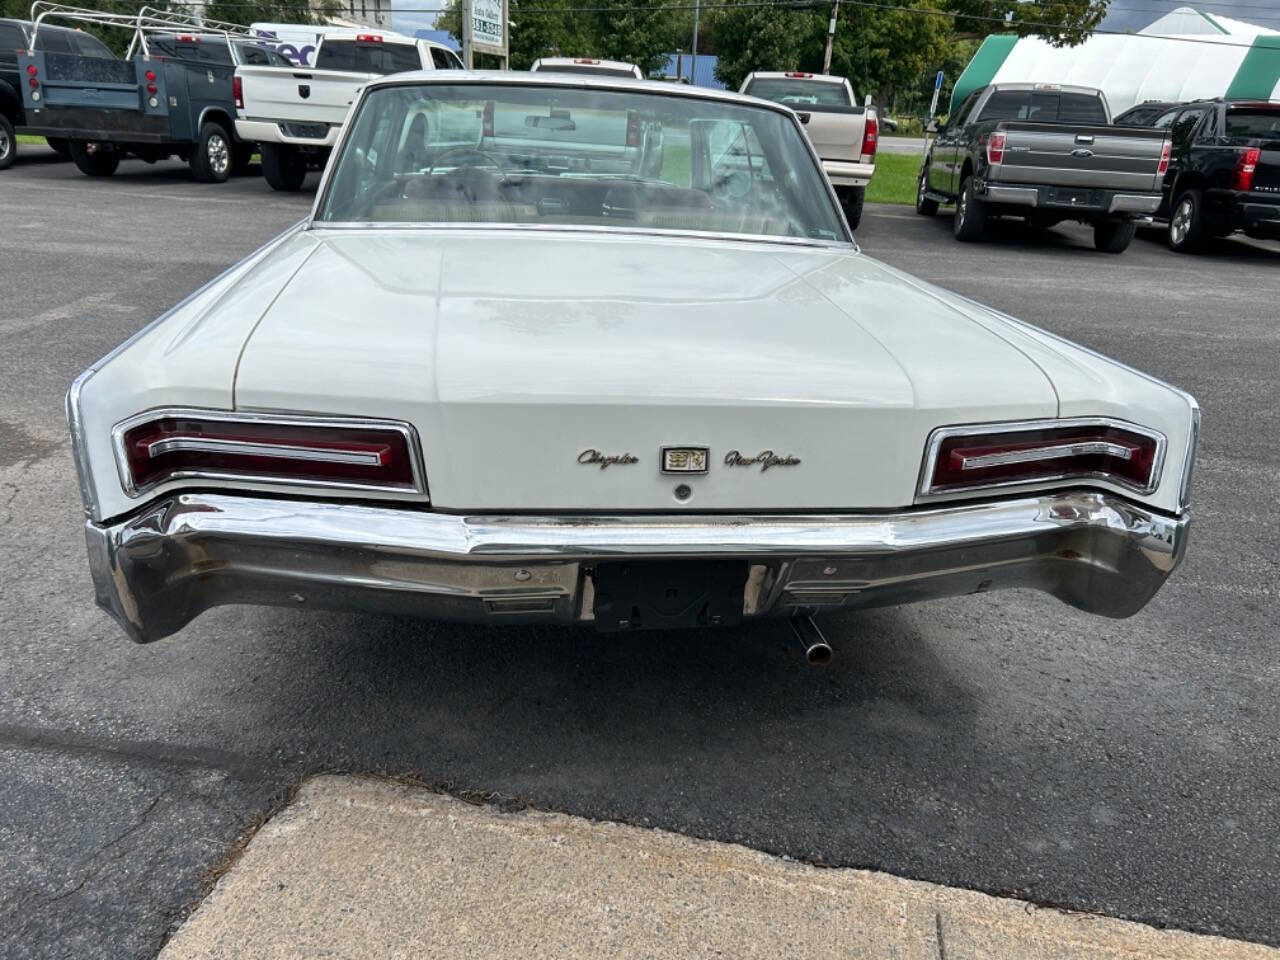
point(550, 78)
point(794, 75)
point(584, 62)
point(1050, 87)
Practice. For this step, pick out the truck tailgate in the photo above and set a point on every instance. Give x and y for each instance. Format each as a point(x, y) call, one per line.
point(1110, 158)
point(308, 96)
point(835, 132)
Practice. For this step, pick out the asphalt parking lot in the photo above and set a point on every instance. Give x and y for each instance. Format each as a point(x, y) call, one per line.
point(1004, 743)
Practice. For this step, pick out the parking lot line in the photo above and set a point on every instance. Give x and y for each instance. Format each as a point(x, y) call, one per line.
point(358, 867)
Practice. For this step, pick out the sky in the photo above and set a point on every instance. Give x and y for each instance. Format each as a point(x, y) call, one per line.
point(1122, 15)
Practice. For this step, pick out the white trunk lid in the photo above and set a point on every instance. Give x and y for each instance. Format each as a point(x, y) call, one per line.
point(515, 354)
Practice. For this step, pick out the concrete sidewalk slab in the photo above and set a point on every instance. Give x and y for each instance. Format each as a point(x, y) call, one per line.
point(368, 868)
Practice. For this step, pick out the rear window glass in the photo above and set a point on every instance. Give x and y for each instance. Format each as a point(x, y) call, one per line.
point(356, 57)
point(1263, 124)
point(205, 49)
point(1044, 107)
point(88, 45)
point(257, 55)
point(53, 41)
point(11, 40)
point(799, 92)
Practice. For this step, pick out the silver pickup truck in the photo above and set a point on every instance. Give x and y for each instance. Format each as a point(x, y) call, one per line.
point(1046, 153)
point(843, 134)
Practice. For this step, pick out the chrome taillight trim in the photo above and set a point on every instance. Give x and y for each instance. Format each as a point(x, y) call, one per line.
point(926, 490)
point(1048, 452)
point(181, 477)
point(250, 448)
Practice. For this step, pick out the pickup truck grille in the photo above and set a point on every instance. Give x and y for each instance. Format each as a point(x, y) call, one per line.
point(311, 131)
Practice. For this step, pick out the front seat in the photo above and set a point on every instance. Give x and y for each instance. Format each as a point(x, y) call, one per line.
point(413, 155)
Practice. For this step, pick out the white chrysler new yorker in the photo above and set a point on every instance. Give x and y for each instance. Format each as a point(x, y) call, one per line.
point(589, 350)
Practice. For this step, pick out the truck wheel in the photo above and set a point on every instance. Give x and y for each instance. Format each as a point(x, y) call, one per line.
point(98, 163)
point(59, 145)
point(211, 159)
point(1186, 224)
point(851, 200)
point(1113, 236)
point(283, 167)
point(971, 214)
point(8, 143)
point(924, 206)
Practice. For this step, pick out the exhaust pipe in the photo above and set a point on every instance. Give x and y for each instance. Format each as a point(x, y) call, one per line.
point(816, 649)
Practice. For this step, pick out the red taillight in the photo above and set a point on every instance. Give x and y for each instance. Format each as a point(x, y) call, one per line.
point(1246, 164)
point(151, 89)
point(175, 447)
point(237, 92)
point(870, 135)
point(31, 70)
point(368, 38)
point(1165, 153)
point(585, 60)
point(633, 128)
point(150, 76)
point(188, 38)
point(487, 128)
point(969, 459)
point(33, 82)
point(798, 75)
point(995, 148)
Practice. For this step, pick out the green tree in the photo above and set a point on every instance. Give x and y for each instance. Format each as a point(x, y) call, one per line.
point(1061, 22)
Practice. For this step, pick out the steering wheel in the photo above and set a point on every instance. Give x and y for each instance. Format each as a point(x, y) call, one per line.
point(489, 159)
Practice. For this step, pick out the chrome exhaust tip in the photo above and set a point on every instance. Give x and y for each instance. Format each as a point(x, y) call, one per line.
point(817, 652)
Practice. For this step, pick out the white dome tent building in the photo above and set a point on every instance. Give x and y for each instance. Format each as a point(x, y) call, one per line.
point(1185, 55)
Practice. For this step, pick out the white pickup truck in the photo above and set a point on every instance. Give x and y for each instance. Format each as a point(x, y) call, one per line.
point(843, 133)
point(295, 114)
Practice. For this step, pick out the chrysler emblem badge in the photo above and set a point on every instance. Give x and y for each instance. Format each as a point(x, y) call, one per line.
point(594, 458)
point(684, 459)
point(304, 90)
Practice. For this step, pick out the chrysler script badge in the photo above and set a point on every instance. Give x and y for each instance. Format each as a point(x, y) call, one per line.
point(765, 458)
point(685, 459)
point(593, 457)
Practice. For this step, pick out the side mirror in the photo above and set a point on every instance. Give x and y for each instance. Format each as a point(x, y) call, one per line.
point(931, 126)
point(866, 102)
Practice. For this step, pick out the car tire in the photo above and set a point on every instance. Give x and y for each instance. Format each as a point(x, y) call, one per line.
point(851, 201)
point(8, 143)
point(924, 206)
point(1186, 222)
point(97, 163)
point(212, 157)
point(971, 214)
point(1113, 236)
point(283, 167)
point(59, 145)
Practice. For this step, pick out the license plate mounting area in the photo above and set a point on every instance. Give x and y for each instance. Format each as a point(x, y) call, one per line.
point(668, 594)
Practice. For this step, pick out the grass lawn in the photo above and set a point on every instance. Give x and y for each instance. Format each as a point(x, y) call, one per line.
point(895, 178)
point(24, 138)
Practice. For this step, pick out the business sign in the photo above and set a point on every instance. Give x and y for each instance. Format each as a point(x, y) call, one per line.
point(937, 89)
point(489, 26)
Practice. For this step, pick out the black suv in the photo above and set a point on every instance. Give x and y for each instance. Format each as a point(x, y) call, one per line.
point(1224, 171)
point(14, 37)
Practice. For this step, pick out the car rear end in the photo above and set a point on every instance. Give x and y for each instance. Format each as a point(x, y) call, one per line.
point(844, 134)
point(1251, 197)
point(305, 107)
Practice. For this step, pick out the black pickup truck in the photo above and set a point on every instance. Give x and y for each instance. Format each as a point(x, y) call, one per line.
point(1224, 171)
point(174, 98)
point(15, 35)
point(1046, 153)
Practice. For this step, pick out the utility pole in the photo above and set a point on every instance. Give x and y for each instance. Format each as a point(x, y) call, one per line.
point(465, 9)
point(693, 61)
point(831, 36)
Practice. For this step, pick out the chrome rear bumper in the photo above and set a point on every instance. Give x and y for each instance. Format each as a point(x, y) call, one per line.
point(158, 569)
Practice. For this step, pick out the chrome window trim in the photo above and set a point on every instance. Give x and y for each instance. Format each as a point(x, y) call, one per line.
point(926, 491)
point(184, 477)
point(1189, 460)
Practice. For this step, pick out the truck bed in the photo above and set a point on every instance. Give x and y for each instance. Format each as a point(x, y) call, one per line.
point(298, 95)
